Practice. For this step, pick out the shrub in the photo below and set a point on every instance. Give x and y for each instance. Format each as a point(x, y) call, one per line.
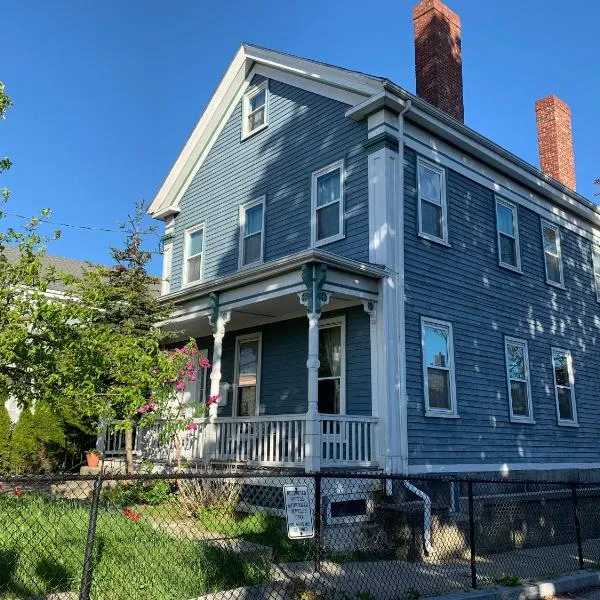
point(5, 430)
point(23, 446)
point(152, 493)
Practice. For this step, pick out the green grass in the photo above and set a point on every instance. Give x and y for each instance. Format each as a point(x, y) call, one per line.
point(259, 528)
point(42, 542)
point(508, 580)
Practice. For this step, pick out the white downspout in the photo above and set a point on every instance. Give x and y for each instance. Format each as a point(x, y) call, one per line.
point(426, 515)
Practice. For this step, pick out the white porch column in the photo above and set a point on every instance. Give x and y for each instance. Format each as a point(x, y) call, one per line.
point(218, 320)
point(314, 298)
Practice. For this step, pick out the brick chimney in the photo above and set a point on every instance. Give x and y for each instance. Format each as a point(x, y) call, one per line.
point(555, 139)
point(438, 58)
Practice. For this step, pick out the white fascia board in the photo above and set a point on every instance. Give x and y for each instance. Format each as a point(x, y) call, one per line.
point(346, 86)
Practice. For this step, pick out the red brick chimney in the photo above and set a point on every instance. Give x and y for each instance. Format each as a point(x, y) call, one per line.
point(438, 58)
point(555, 139)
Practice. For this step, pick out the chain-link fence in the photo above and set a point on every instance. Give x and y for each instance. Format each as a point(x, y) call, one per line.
point(254, 534)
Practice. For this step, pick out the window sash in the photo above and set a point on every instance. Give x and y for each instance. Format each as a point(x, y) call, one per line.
point(442, 204)
point(249, 112)
point(238, 385)
point(244, 235)
point(555, 254)
point(503, 258)
point(317, 209)
point(558, 353)
point(434, 411)
point(339, 323)
point(522, 345)
point(596, 270)
point(198, 257)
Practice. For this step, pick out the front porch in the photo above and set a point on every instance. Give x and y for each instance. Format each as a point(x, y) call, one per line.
point(295, 364)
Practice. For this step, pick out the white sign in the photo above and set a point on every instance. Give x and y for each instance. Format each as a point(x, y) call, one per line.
point(298, 512)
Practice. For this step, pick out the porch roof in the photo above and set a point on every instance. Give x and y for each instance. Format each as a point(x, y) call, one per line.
point(266, 292)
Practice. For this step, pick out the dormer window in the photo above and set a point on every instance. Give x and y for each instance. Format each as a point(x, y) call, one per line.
point(254, 109)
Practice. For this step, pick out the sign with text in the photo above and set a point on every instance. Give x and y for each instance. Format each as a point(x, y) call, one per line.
point(298, 512)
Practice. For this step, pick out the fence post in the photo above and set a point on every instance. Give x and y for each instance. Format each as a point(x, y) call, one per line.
point(86, 578)
point(472, 536)
point(318, 522)
point(577, 524)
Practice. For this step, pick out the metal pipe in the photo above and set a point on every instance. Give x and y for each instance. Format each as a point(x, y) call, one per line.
point(426, 515)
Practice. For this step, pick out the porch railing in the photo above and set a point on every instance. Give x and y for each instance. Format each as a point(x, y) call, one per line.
point(278, 440)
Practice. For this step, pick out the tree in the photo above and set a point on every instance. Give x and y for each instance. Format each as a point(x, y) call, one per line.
point(5, 431)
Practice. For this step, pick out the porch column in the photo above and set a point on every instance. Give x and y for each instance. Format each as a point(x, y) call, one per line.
point(314, 298)
point(218, 319)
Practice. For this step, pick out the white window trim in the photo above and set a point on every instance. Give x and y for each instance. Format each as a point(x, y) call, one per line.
point(556, 228)
point(250, 337)
point(248, 95)
point(315, 176)
point(565, 422)
point(186, 256)
point(523, 343)
point(515, 217)
point(451, 413)
point(442, 172)
point(165, 284)
point(596, 263)
point(243, 209)
point(341, 323)
point(368, 516)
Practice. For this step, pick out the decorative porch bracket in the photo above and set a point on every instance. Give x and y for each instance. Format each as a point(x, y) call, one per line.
point(314, 298)
point(218, 319)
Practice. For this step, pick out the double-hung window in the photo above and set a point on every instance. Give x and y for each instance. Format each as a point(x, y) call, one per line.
point(252, 226)
point(438, 368)
point(328, 204)
point(433, 218)
point(193, 254)
point(519, 386)
point(564, 386)
point(255, 108)
point(332, 366)
point(596, 267)
point(247, 375)
point(508, 235)
point(552, 254)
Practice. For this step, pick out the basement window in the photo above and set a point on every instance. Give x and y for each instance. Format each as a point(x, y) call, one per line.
point(350, 508)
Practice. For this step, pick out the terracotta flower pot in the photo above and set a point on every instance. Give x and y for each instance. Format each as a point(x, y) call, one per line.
point(93, 460)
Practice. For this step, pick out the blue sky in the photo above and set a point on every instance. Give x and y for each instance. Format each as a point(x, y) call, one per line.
point(106, 93)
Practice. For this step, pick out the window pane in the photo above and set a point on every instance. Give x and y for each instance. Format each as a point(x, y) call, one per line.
point(505, 219)
point(518, 391)
point(553, 268)
point(194, 268)
point(565, 406)
point(550, 244)
point(246, 401)
point(328, 188)
point(257, 100)
point(516, 361)
point(330, 352)
point(252, 249)
point(439, 388)
point(329, 396)
point(256, 119)
point(328, 221)
point(431, 220)
point(254, 219)
point(508, 250)
point(430, 186)
point(561, 369)
point(195, 242)
point(248, 362)
point(596, 261)
point(436, 346)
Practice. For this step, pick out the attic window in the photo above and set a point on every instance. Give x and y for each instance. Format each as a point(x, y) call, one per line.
point(254, 109)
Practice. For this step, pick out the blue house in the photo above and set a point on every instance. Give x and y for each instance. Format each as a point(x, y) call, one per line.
point(376, 284)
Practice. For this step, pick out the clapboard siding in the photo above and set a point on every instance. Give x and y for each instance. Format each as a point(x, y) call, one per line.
point(284, 378)
point(465, 285)
point(306, 132)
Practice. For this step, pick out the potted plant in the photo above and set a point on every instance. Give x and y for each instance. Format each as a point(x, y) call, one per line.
point(93, 457)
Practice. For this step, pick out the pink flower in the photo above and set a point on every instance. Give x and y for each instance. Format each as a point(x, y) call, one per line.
point(152, 406)
point(191, 426)
point(212, 400)
point(192, 377)
point(189, 366)
point(141, 409)
point(205, 363)
point(182, 373)
point(180, 386)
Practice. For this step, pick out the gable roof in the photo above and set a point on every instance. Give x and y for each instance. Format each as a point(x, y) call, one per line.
point(363, 93)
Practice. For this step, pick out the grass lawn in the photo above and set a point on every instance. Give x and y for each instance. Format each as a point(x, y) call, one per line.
point(42, 542)
point(260, 528)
